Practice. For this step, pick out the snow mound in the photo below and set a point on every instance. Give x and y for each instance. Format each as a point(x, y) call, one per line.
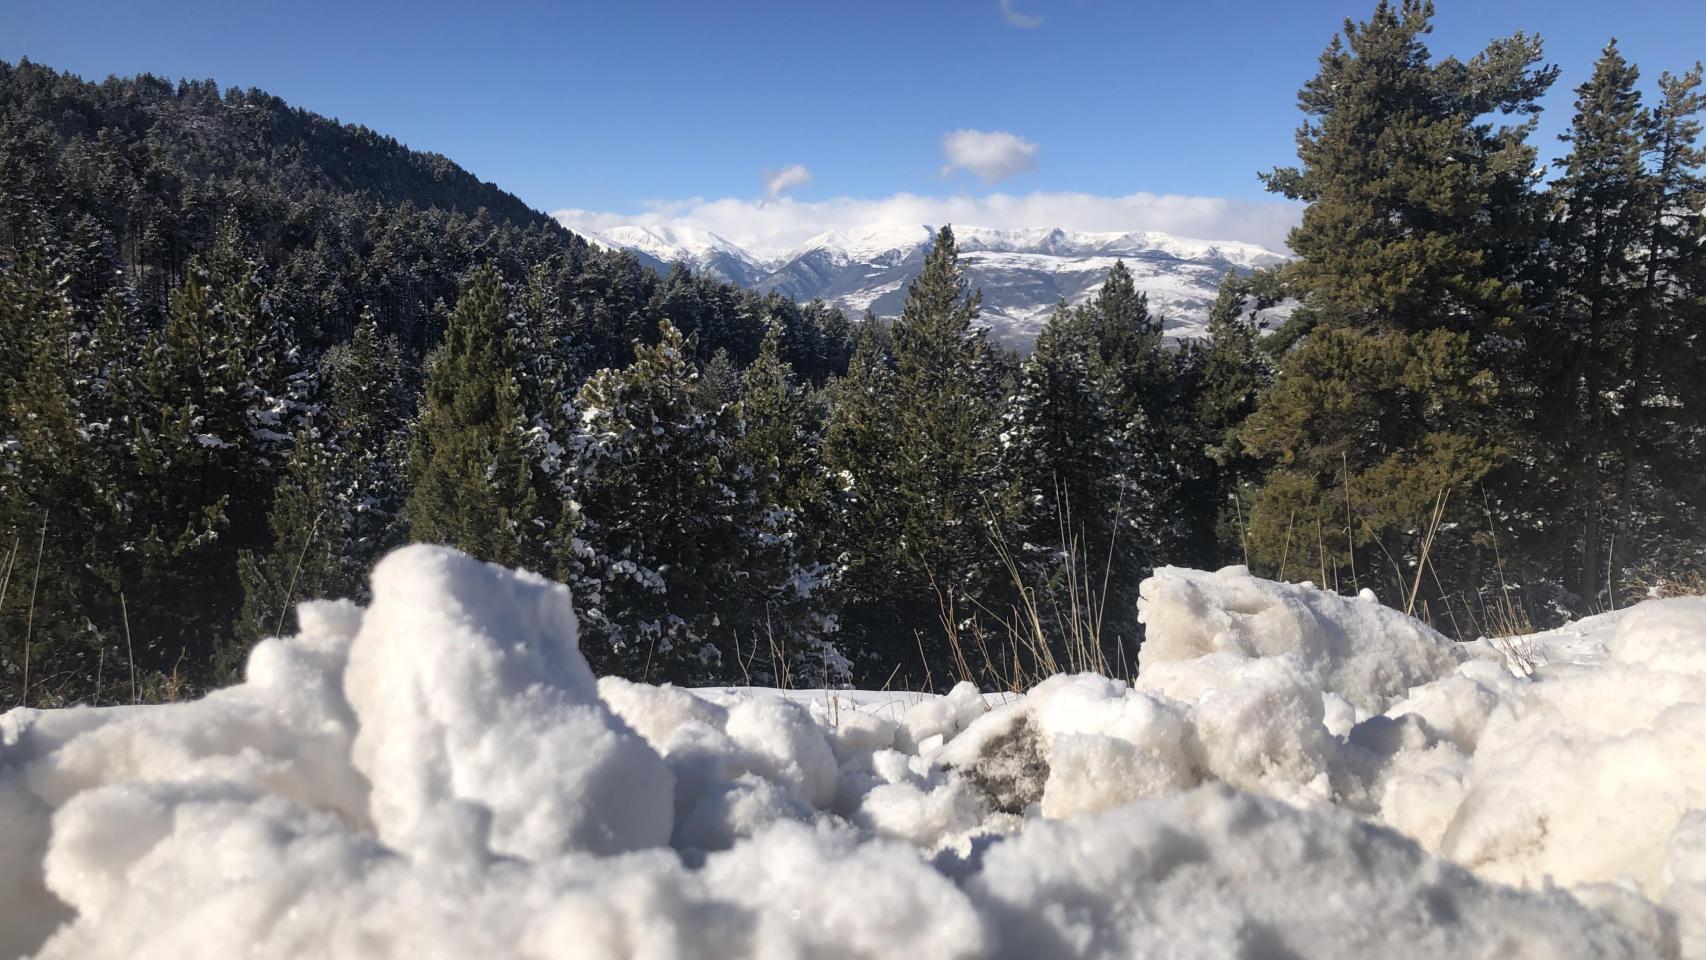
point(479, 722)
point(1214, 873)
point(1592, 773)
point(1292, 774)
point(1366, 653)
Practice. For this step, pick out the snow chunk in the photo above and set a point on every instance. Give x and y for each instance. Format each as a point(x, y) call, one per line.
point(1590, 752)
point(786, 747)
point(475, 704)
point(1214, 873)
point(286, 732)
point(1366, 653)
point(657, 712)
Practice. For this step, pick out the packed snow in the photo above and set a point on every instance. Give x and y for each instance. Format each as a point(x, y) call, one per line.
point(1292, 773)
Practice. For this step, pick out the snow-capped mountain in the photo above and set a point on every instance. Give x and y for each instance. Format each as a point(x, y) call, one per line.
point(701, 250)
point(1023, 273)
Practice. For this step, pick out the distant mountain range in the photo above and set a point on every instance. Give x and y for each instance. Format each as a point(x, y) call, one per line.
point(1023, 273)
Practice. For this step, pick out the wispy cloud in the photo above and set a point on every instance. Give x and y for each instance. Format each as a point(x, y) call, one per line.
point(778, 182)
point(993, 155)
point(1024, 21)
point(774, 227)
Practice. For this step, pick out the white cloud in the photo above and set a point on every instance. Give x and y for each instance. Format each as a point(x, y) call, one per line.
point(778, 182)
point(993, 155)
point(773, 228)
point(1023, 20)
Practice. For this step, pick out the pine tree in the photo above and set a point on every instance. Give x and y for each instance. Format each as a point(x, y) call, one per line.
point(337, 507)
point(859, 405)
point(549, 371)
point(857, 457)
point(928, 499)
point(368, 417)
point(158, 430)
point(1080, 548)
point(1148, 388)
point(303, 561)
point(1235, 372)
point(1412, 196)
point(1421, 219)
point(50, 512)
point(471, 483)
point(32, 289)
point(217, 395)
point(1660, 493)
point(719, 382)
point(675, 574)
point(782, 438)
point(945, 449)
point(781, 444)
point(1602, 200)
point(1125, 344)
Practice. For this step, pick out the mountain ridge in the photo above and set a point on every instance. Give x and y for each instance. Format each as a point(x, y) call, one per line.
point(1023, 273)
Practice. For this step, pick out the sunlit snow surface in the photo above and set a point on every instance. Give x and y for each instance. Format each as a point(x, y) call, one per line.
point(1293, 774)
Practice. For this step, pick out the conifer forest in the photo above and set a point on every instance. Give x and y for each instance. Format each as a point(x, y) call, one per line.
point(246, 351)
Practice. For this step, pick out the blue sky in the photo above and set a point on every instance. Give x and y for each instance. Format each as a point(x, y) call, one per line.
point(638, 107)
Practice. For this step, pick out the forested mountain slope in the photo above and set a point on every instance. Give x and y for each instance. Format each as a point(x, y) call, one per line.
point(138, 175)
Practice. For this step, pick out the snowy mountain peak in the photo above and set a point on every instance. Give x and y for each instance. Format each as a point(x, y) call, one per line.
point(669, 244)
point(866, 243)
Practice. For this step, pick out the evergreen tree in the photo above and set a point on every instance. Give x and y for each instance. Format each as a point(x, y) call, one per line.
point(549, 356)
point(303, 562)
point(368, 416)
point(719, 383)
point(1660, 492)
point(1421, 219)
point(856, 452)
point(214, 403)
point(677, 570)
point(1148, 389)
point(337, 506)
point(928, 491)
point(163, 372)
point(1413, 196)
point(859, 406)
point(1235, 371)
point(781, 444)
point(782, 439)
point(1080, 551)
point(1602, 204)
point(471, 483)
point(1125, 346)
point(53, 506)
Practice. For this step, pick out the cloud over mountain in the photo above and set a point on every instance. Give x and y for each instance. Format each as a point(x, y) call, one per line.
point(993, 155)
point(778, 182)
point(773, 228)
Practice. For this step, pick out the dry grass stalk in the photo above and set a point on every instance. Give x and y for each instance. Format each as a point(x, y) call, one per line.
point(1440, 502)
point(30, 618)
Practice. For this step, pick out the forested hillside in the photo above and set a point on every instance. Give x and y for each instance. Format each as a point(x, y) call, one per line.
point(247, 350)
point(208, 297)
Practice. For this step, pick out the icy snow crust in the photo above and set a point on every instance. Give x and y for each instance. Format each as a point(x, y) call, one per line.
point(1294, 774)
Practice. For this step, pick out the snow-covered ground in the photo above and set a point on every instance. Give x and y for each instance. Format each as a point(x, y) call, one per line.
point(1293, 774)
